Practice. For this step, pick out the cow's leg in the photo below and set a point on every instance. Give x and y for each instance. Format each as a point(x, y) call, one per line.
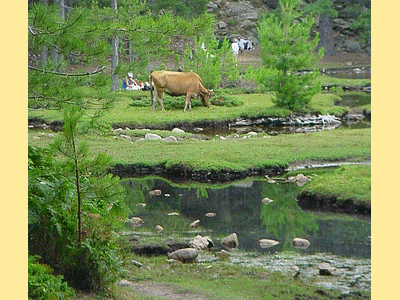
point(153, 99)
point(161, 100)
point(188, 102)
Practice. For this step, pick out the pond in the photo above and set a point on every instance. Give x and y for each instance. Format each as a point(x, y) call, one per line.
point(338, 242)
point(349, 73)
point(238, 208)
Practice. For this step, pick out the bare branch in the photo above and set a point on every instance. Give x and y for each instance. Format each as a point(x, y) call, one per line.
point(67, 74)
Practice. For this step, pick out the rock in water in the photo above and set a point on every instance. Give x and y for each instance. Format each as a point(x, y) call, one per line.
point(230, 242)
point(266, 243)
point(300, 243)
point(155, 193)
point(186, 255)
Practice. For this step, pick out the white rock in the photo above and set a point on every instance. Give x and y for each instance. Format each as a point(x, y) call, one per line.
point(152, 136)
point(266, 201)
point(300, 243)
point(266, 243)
point(177, 130)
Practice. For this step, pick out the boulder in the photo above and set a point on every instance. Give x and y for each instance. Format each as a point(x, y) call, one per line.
point(300, 243)
point(170, 139)
point(201, 242)
point(152, 136)
point(266, 243)
point(134, 222)
point(230, 242)
point(177, 130)
point(352, 46)
point(186, 255)
point(222, 25)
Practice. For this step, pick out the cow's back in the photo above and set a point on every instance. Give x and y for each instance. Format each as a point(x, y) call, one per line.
point(179, 83)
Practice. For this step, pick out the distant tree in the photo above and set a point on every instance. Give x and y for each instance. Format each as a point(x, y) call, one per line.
point(326, 12)
point(211, 61)
point(286, 47)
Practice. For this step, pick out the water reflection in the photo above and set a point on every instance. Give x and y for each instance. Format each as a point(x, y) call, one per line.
point(239, 209)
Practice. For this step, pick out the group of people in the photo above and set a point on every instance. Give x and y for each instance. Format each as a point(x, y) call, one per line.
point(241, 44)
point(130, 84)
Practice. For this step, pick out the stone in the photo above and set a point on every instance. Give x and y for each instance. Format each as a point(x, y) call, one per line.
point(170, 139)
point(201, 242)
point(124, 282)
point(173, 214)
point(134, 222)
point(177, 130)
point(231, 241)
point(329, 271)
point(267, 243)
point(186, 255)
point(136, 263)
point(352, 46)
point(158, 228)
point(300, 243)
point(210, 215)
point(266, 201)
point(222, 25)
point(155, 192)
point(126, 137)
point(152, 136)
point(301, 180)
point(194, 224)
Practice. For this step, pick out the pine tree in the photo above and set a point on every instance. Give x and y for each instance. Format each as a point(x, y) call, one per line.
point(286, 47)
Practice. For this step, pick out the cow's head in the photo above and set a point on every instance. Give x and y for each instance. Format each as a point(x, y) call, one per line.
point(205, 97)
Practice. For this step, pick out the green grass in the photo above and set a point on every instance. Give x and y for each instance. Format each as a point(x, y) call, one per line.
point(236, 154)
point(353, 181)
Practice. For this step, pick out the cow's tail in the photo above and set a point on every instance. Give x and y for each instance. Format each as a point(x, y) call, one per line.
point(153, 104)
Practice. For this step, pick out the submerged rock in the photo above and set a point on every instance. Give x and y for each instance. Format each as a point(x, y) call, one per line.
point(230, 242)
point(187, 255)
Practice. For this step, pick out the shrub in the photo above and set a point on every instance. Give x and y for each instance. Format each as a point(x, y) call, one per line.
point(42, 284)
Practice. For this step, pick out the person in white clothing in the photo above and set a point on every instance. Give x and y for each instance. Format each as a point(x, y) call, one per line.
point(235, 47)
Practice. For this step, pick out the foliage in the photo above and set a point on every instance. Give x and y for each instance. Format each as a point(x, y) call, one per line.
point(362, 26)
point(73, 208)
point(213, 63)
point(183, 8)
point(322, 7)
point(42, 284)
point(287, 48)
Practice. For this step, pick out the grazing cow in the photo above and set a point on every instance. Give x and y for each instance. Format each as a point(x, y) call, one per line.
point(178, 84)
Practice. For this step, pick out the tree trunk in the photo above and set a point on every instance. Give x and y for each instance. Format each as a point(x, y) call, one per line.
point(114, 57)
point(325, 34)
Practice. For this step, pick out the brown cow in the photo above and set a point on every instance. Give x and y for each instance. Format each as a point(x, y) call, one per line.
point(178, 84)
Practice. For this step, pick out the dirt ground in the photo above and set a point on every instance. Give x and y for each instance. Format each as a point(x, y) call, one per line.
point(348, 59)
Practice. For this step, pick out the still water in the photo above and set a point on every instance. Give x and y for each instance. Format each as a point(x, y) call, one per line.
point(238, 208)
